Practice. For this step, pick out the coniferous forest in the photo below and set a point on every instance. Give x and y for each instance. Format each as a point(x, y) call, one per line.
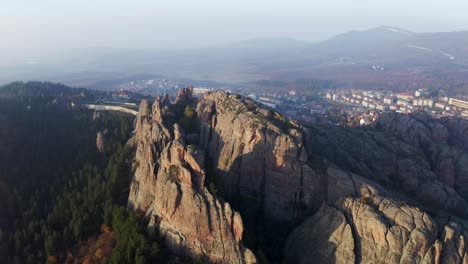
point(62, 200)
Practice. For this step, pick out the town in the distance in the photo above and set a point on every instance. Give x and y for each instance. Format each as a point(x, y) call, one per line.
point(373, 102)
point(337, 106)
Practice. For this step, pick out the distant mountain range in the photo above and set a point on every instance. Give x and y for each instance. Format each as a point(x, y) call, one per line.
point(380, 57)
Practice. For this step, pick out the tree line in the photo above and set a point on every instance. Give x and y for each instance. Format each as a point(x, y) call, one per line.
point(57, 190)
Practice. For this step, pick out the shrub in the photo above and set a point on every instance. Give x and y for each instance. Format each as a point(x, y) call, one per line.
point(213, 189)
point(189, 121)
point(364, 199)
point(191, 149)
point(189, 112)
point(173, 173)
point(250, 105)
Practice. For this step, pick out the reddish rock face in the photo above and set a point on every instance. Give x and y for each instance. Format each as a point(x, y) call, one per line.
point(184, 96)
point(371, 207)
point(256, 158)
point(168, 185)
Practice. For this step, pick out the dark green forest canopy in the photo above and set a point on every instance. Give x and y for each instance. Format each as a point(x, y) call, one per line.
point(56, 189)
point(43, 89)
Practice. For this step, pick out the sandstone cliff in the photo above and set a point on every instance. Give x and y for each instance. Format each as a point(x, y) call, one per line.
point(259, 154)
point(444, 143)
point(168, 186)
point(394, 163)
point(372, 225)
point(386, 194)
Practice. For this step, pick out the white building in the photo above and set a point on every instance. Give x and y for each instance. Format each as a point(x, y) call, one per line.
point(382, 107)
point(444, 99)
point(418, 102)
point(405, 96)
point(458, 103)
point(440, 105)
point(402, 102)
point(388, 100)
point(428, 102)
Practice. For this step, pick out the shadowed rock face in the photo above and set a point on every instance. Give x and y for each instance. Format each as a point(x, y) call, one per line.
point(373, 225)
point(416, 160)
point(168, 185)
point(391, 193)
point(325, 237)
point(444, 143)
point(400, 163)
point(258, 155)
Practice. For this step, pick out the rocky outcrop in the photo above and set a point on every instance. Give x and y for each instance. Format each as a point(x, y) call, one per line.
point(444, 143)
point(391, 193)
point(421, 130)
point(102, 139)
point(372, 225)
point(390, 161)
point(168, 186)
point(325, 237)
point(257, 153)
point(149, 140)
point(184, 96)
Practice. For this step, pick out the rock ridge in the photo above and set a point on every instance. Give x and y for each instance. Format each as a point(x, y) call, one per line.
point(390, 193)
point(168, 186)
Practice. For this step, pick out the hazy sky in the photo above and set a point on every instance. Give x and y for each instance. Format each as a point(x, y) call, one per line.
point(28, 27)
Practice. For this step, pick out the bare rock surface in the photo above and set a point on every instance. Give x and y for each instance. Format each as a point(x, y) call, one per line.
point(102, 139)
point(371, 225)
point(395, 192)
point(325, 237)
point(258, 154)
point(444, 143)
point(395, 164)
point(168, 186)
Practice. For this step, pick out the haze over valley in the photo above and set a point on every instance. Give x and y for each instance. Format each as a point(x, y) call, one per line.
point(380, 57)
point(242, 132)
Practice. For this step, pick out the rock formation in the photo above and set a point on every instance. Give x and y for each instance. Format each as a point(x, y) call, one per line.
point(258, 154)
point(392, 193)
point(444, 143)
point(372, 225)
point(325, 237)
point(102, 140)
point(184, 96)
point(392, 162)
point(168, 186)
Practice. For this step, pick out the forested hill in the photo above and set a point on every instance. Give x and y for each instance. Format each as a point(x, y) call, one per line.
point(40, 89)
point(61, 200)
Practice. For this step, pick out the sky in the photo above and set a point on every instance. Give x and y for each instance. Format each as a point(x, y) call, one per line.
point(29, 28)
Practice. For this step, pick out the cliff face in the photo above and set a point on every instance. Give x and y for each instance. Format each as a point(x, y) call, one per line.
point(392, 193)
point(365, 223)
point(258, 154)
point(402, 209)
point(444, 143)
point(168, 185)
point(396, 162)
